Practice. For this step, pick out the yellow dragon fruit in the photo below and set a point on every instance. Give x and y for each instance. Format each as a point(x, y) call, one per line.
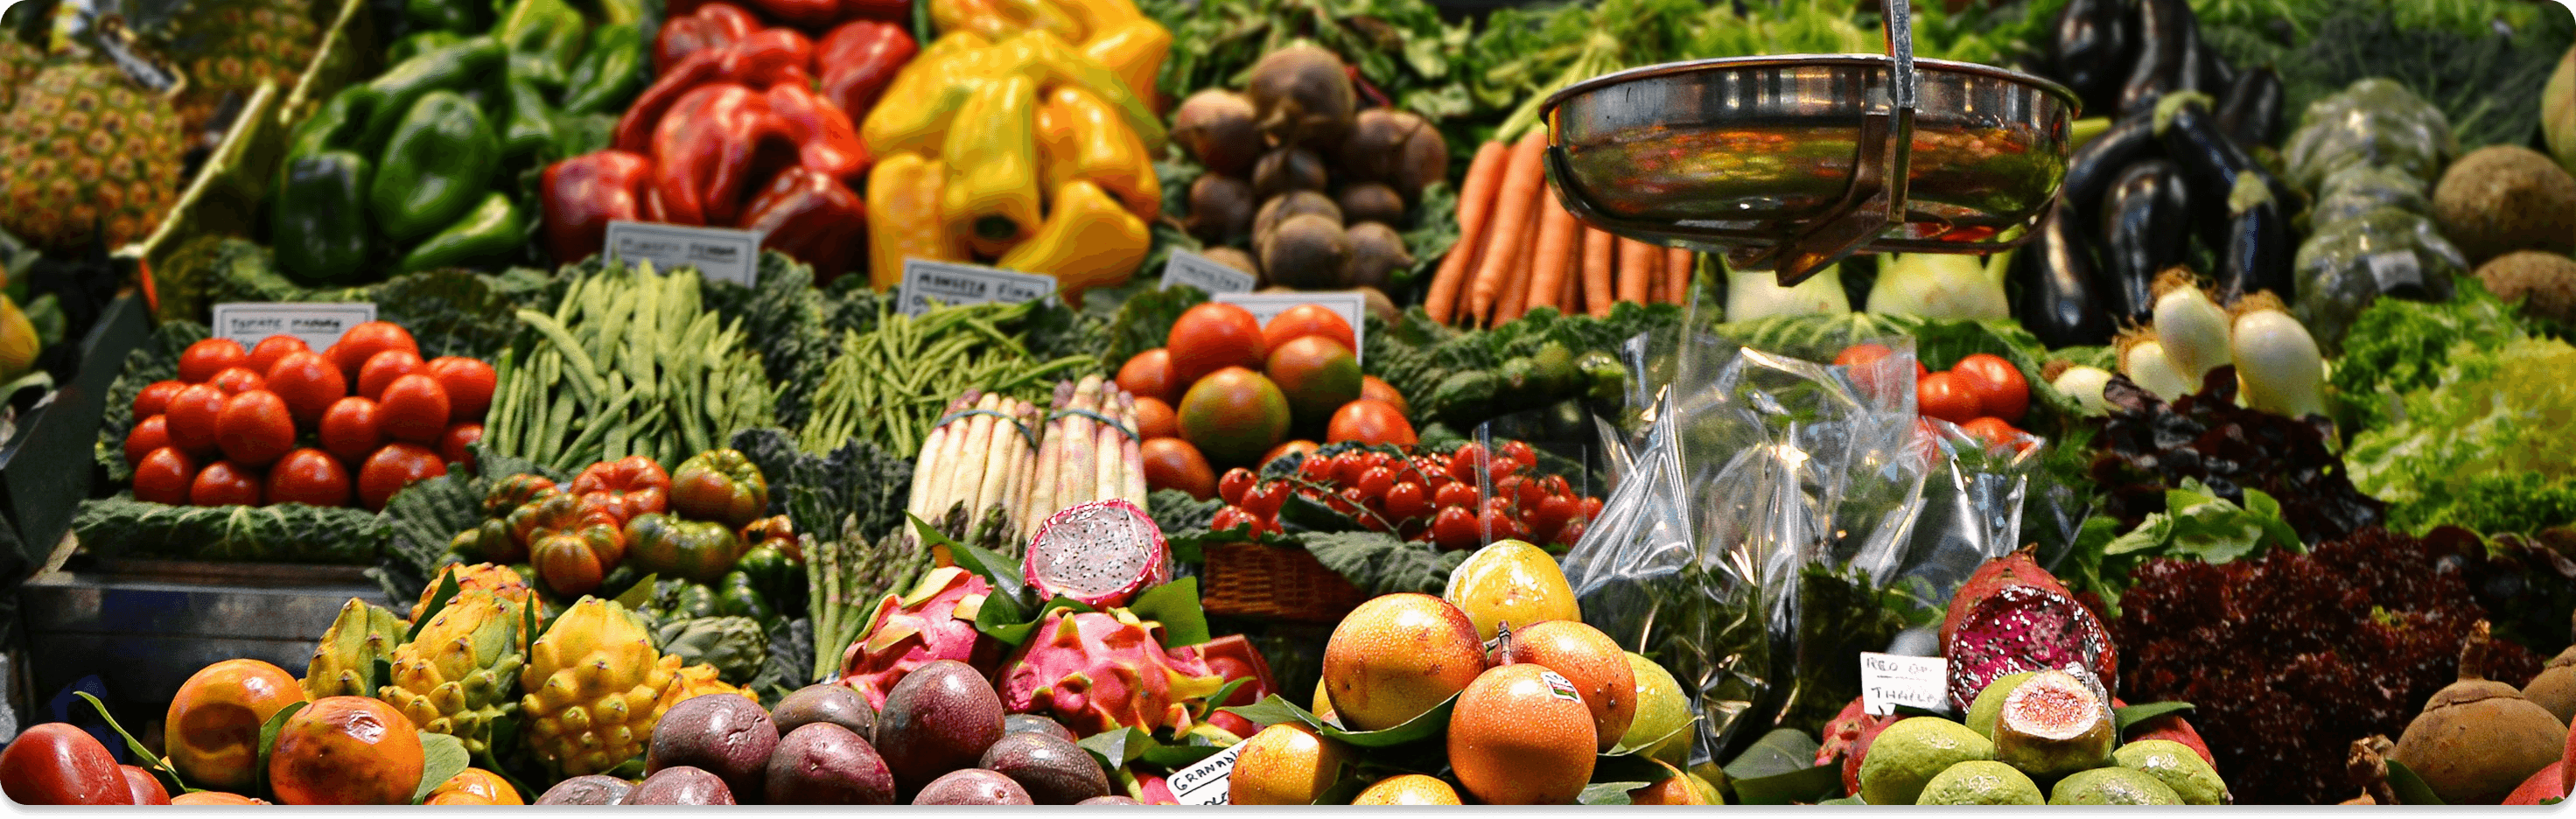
point(696, 681)
point(345, 662)
point(460, 672)
point(491, 577)
point(593, 684)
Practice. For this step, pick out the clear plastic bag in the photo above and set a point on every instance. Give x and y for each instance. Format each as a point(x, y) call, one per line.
point(2360, 189)
point(2373, 122)
point(2384, 251)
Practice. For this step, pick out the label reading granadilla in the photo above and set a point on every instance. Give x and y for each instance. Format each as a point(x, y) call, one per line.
point(1207, 782)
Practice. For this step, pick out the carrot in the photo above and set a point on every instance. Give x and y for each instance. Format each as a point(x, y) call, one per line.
point(1475, 203)
point(1637, 264)
point(1678, 263)
point(1516, 289)
point(1523, 181)
point(1569, 292)
point(1598, 251)
point(1552, 253)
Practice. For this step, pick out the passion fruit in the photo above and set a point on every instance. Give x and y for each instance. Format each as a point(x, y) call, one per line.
point(1285, 764)
point(1408, 789)
point(1675, 788)
point(1521, 735)
point(1397, 656)
point(346, 751)
point(1510, 583)
point(2055, 724)
point(212, 728)
point(1590, 660)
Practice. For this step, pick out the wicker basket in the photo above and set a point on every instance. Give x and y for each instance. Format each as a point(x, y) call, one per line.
point(1276, 582)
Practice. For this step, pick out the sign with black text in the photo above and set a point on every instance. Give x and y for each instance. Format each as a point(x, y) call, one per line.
point(1890, 680)
point(1205, 274)
point(719, 254)
point(1206, 783)
point(953, 284)
point(319, 325)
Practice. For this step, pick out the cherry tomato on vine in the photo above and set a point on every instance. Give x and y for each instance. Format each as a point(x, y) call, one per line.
point(1521, 453)
point(1464, 462)
point(1263, 500)
point(1232, 486)
point(1408, 500)
point(1230, 517)
point(1455, 528)
point(1457, 493)
point(1315, 469)
point(1375, 482)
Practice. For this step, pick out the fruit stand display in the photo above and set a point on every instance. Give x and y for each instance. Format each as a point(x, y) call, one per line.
point(806, 402)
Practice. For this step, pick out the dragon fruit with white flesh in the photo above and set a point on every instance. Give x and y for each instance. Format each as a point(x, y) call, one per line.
point(936, 621)
point(1095, 671)
point(2012, 616)
point(1100, 553)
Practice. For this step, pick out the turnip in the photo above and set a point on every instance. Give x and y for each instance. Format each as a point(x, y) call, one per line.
point(2144, 361)
point(1945, 286)
point(2083, 383)
point(1757, 294)
point(2192, 329)
point(2276, 359)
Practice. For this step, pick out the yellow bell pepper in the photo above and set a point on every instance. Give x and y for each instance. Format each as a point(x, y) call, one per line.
point(1087, 242)
point(1134, 50)
point(1079, 138)
point(1059, 64)
point(904, 193)
point(1095, 16)
point(993, 196)
point(925, 95)
point(997, 19)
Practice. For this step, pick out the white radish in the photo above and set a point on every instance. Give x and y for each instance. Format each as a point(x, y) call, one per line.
point(2192, 328)
point(2277, 360)
point(2085, 384)
point(2145, 362)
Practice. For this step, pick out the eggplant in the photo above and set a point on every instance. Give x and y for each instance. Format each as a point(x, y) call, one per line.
point(2090, 171)
point(2168, 55)
point(2251, 111)
point(2093, 44)
point(2259, 253)
point(2058, 277)
point(2211, 163)
point(2146, 227)
point(2215, 74)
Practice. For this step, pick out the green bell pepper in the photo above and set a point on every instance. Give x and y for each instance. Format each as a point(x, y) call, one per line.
point(449, 15)
point(530, 130)
point(668, 546)
point(577, 134)
point(696, 600)
point(488, 234)
point(320, 221)
point(435, 167)
point(340, 124)
point(610, 73)
point(736, 597)
point(543, 39)
point(420, 42)
point(384, 101)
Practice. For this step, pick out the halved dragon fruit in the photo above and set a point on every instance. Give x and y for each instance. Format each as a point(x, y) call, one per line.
point(936, 621)
point(1230, 658)
point(1094, 671)
point(1100, 553)
point(2025, 627)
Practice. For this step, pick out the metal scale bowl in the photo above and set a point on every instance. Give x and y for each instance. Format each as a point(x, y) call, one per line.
point(1790, 163)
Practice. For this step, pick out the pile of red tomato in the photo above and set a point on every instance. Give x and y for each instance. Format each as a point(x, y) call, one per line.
point(1983, 393)
point(279, 423)
point(1423, 497)
point(1228, 390)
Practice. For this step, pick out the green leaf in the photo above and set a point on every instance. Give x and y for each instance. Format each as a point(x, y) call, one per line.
point(2129, 715)
point(1003, 623)
point(2410, 788)
point(442, 758)
point(1001, 571)
point(1223, 693)
point(634, 597)
point(1273, 709)
point(1641, 746)
point(1176, 757)
point(2150, 534)
point(1118, 747)
point(447, 589)
point(1176, 606)
point(1608, 793)
point(268, 741)
point(1804, 786)
point(159, 767)
point(1783, 751)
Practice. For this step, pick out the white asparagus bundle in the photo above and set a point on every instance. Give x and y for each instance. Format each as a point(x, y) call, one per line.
point(1088, 453)
point(1134, 452)
point(978, 458)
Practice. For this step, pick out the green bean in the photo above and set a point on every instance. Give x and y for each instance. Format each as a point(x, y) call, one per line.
point(585, 373)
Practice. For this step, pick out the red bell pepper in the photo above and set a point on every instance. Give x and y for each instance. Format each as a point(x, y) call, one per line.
point(858, 60)
point(812, 217)
point(775, 55)
point(583, 194)
point(703, 152)
point(709, 27)
point(626, 487)
point(635, 127)
point(825, 139)
point(813, 14)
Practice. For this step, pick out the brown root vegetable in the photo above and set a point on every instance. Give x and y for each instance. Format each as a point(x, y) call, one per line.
point(1233, 257)
point(1371, 202)
point(1308, 252)
point(2555, 688)
point(1277, 209)
point(1399, 148)
point(1286, 170)
point(1376, 253)
point(1301, 96)
point(2477, 738)
point(1383, 308)
point(1220, 208)
point(1217, 126)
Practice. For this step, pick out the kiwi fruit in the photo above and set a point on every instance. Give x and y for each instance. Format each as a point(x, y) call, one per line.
point(1301, 96)
point(2545, 283)
point(2477, 739)
point(825, 763)
point(681, 785)
point(1217, 126)
point(722, 734)
point(1287, 169)
point(1220, 208)
point(1399, 148)
point(1371, 202)
point(938, 719)
point(1308, 252)
point(1376, 253)
point(825, 702)
point(1052, 769)
point(972, 786)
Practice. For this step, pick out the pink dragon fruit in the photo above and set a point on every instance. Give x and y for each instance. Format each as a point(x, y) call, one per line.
point(1230, 658)
point(1100, 553)
point(1153, 790)
point(1096, 671)
point(934, 622)
point(2025, 627)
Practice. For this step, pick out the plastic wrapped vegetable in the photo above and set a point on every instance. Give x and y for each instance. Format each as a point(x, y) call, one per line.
point(2357, 189)
point(2374, 122)
point(2384, 251)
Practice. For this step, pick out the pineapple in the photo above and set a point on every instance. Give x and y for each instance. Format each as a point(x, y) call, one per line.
point(491, 577)
point(19, 63)
point(360, 636)
point(231, 45)
point(457, 675)
point(85, 156)
point(594, 684)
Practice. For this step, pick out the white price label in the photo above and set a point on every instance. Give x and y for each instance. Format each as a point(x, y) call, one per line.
point(954, 284)
point(719, 254)
point(2396, 269)
point(1205, 783)
point(1890, 680)
point(1349, 304)
point(319, 325)
point(1205, 274)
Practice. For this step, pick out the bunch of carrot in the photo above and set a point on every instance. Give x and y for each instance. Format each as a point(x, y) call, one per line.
point(1519, 249)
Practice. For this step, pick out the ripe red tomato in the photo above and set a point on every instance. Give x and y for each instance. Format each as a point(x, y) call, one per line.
point(386, 366)
point(1456, 493)
point(1464, 462)
point(1370, 422)
point(1995, 432)
point(414, 408)
point(1171, 463)
point(309, 476)
point(1149, 375)
point(469, 383)
point(1375, 482)
point(1500, 525)
point(1999, 386)
point(163, 476)
point(270, 349)
point(155, 398)
point(192, 417)
point(1230, 518)
point(1154, 419)
point(1550, 515)
point(1212, 337)
point(1263, 500)
point(1454, 528)
point(1286, 448)
point(147, 435)
point(238, 380)
point(351, 430)
point(1307, 320)
point(457, 445)
point(56, 763)
point(224, 483)
point(392, 468)
point(1235, 484)
point(365, 341)
point(202, 360)
point(1520, 453)
point(1862, 359)
point(309, 383)
point(254, 429)
point(1946, 396)
point(1408, 500)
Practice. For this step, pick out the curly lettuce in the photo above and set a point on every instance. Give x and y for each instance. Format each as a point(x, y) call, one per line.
point(2486, 447)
